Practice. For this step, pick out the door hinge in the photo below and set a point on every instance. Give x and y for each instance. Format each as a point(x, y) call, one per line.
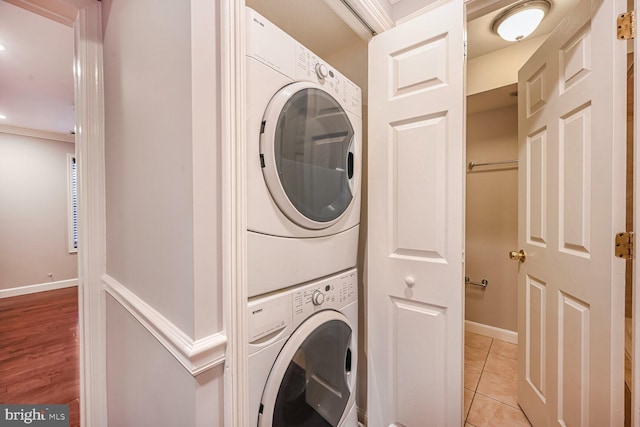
point(624, 245)
point(626, 23)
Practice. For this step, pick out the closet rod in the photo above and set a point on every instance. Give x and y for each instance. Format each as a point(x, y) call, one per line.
point(504, 162)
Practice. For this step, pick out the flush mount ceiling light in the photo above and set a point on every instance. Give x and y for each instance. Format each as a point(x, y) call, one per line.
point(520, 20)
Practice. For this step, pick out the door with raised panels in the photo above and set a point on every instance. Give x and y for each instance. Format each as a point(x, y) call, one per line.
point(571, 203)
point(415, 231)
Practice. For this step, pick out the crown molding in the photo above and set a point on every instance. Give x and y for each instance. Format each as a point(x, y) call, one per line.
point(35, 133)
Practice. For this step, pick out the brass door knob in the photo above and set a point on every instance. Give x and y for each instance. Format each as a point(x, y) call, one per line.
point(518, 255)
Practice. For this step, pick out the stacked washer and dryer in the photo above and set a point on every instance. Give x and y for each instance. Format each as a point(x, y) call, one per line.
point(304, 124)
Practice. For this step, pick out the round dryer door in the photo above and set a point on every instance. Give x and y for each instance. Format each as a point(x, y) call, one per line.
point(307, 147)
point(311, 382)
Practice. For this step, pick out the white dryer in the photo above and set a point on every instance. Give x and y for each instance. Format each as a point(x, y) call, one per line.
point(303, 355)
point(304, 127)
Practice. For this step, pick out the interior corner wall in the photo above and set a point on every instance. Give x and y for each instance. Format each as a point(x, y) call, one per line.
point(34, 212)
point(156, 391)
point(148, 140)
point(161, 138)
point(352, 61)
point(500, 68)
point(492, 219)
point(406, 8)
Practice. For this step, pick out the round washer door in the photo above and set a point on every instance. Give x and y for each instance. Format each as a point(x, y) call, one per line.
point(307, 147)
point(311, 382)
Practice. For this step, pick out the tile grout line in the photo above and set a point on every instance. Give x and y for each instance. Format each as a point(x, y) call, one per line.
point(475, 389)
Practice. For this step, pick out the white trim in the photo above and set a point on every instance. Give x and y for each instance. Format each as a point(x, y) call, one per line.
point(350, 18)
point(34, 133)
point(90, 163)
point(56, 10)
point(196, 356)
point(491, 331)
point(40, 287)
point(373, 14)
point(234, 210)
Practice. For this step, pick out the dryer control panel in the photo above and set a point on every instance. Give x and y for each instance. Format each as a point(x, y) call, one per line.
point(332, 293)
point(270, 45)
point(310, 67)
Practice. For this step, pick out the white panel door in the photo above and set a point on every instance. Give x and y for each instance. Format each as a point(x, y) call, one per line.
point(415, 232)
point(571, 203)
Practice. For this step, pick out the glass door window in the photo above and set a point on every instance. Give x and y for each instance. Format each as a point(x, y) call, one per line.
point(315, 389)
point(313, 145)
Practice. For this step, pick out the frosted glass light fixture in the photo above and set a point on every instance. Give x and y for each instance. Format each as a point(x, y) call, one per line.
point(520, 20)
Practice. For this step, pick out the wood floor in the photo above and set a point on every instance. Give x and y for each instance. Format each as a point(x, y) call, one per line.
point(39, 350)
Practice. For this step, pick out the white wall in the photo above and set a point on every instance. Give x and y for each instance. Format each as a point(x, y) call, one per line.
point(162, 109)
point(492, 218)
point(145, 385)
point(173, 396)
point(148, 153)
point(34, 212)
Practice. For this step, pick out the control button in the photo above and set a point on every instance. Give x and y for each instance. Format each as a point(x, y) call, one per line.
point(321, 70)
point(317, 298)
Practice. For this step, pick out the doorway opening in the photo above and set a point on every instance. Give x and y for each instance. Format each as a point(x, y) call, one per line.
point(492, 228)
point(39, 294)
point(490, 370)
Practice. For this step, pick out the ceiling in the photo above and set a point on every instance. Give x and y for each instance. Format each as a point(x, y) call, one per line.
point(305, 20)
point(36, 71)
point(481, 40)
point(36, 78)
point(313, 23)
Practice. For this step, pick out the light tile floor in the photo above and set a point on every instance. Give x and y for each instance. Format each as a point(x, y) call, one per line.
point(490, 383)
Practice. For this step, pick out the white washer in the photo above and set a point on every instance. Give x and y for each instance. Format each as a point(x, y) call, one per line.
point(304, 127)
point(303, 355)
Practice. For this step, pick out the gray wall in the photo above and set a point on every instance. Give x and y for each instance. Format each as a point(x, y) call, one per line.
point(33, 211)
point(162, 142)
point(148, 153)
point(492, 218)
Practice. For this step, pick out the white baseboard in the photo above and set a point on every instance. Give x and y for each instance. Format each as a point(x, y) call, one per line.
point(41, 287)
point(491, 331)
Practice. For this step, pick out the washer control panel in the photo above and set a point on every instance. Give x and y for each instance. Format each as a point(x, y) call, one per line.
point(268, 316)
point(331, 293)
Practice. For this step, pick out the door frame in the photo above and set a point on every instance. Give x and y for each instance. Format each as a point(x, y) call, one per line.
point(85, 18)
point(635, 393)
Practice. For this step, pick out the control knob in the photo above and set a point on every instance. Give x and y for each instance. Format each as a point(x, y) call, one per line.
point(317, 298)
point(321, 70)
